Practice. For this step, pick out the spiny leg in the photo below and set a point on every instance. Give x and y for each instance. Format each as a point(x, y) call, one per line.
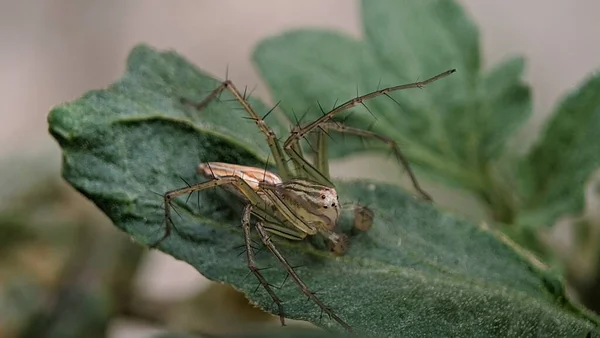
point(288, 268)
point(294, 137)
point(363, 216)
point(322, 153)
point(304, 168)
point(299, 171)
point(252, 263)
point(272, 140)
point(243, 187)
point(299, 133)
point(389, 142)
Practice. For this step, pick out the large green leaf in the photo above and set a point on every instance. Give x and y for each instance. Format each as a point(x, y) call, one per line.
point(567, 154)
point(417, 272)
point(452, 129)
point(285, 332)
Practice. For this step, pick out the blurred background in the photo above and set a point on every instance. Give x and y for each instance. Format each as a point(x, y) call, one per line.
point(53, 51)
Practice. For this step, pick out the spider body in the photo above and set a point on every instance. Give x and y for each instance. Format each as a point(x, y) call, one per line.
point(314, 208)
point(296, 202)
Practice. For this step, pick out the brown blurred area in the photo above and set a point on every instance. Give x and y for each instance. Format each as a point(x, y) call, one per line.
point(53, 51)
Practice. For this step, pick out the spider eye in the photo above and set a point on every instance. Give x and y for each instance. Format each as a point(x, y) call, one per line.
point(333, 204)
point(322, 197)
point(324, 207)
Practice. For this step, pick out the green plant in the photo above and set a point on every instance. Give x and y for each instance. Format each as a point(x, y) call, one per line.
point(423, 273)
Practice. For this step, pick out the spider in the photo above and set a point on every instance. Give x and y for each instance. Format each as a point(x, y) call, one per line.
point(299, 201)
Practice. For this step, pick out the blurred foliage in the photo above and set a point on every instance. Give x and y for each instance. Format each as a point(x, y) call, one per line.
point(555, 172)
point(576, 240)
point(48, 288)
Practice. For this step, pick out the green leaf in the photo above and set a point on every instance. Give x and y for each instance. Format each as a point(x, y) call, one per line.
point(277, 333)
point(417, 272)
point(506, 102)
point(568, 153)
point(453, 129)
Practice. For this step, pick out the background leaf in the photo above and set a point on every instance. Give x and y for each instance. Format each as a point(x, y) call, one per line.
point(453, 129)
point(554, 173)
point(416, 272)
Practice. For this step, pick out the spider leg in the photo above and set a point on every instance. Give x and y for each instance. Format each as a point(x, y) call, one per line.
point(294, 137)
point(304, 168)
point(252, 263)
point(270, 135)
point(389, 142)
point(235, 181)
point(322, 153)
point(299, 132)
point(288, 268)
